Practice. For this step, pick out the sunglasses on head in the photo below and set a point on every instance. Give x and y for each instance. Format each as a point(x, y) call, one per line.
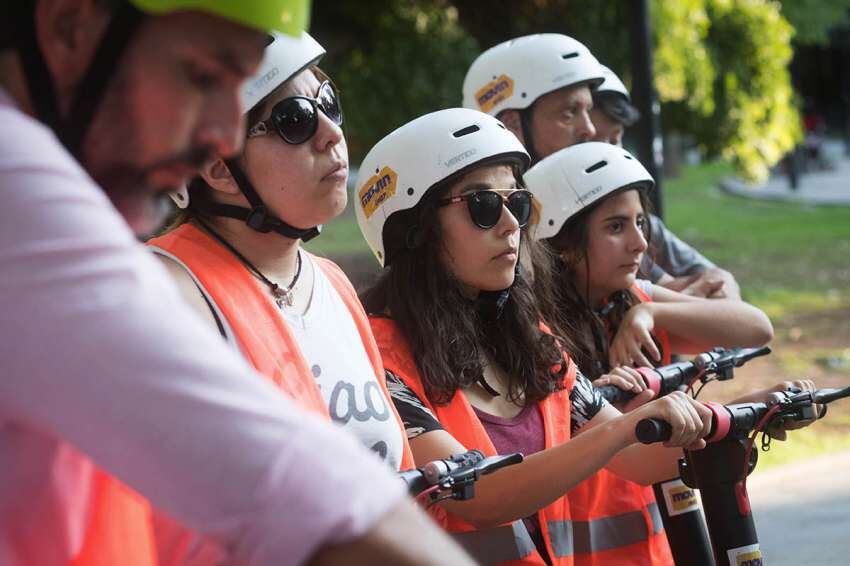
point(485, 207)
point(296, 118)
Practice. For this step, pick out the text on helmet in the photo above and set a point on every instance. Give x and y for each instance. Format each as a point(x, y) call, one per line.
point(260, 84)
point(377, 189)
point(494, 92)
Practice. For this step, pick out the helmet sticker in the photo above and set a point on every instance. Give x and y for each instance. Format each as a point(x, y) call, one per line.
point(377, 189)
point(494, 92)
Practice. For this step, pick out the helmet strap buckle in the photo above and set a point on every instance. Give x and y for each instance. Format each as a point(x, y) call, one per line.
point(258, 219)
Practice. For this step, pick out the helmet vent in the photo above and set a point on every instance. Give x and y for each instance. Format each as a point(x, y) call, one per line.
point(572, 55)
point(596, 166)
point(466, 131)
point(627, 156)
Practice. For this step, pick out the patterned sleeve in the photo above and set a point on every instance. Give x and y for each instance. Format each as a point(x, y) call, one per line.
point(585, 403)
point(417, 418)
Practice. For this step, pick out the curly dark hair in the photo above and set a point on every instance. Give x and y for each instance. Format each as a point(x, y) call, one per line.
point(448, 337)
point(589, 329)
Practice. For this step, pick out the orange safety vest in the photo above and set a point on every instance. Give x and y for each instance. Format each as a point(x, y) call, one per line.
point(120, 529)
point(264, 338)
point(510, 543)
point(617, 521)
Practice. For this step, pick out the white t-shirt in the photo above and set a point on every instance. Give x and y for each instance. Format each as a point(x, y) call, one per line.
point(334, 350)
point(101, 356)
point(645, 285)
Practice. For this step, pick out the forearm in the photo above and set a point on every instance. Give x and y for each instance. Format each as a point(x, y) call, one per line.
point(404, 536)
point(646, 464)
point(521, 490)
point(705, 324)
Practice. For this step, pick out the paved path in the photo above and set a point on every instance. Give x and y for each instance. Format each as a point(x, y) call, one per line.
point(818, 187)
point(802, 511)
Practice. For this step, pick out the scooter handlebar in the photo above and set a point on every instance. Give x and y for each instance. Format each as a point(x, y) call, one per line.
point(666, 379)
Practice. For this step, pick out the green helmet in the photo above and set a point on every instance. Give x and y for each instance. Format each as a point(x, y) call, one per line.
point(287, 16)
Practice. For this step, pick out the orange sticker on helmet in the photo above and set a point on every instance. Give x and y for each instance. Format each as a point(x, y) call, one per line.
point(376, 190)
point(494, 92)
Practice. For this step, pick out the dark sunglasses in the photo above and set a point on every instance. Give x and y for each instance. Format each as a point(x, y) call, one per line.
point(485, 207)
point(296, 118)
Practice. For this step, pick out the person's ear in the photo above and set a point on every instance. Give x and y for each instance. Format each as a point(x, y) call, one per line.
point(68, 33)
point(218, 177)
point(513, 121)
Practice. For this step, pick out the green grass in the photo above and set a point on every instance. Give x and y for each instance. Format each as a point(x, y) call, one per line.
point(805, 443)
point(788, 257)
point(341, 237)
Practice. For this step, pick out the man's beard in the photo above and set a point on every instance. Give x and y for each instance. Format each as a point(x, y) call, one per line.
point(145, 207)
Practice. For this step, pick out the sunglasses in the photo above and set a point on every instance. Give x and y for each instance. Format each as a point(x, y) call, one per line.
point(485, 207)
point(296, 119)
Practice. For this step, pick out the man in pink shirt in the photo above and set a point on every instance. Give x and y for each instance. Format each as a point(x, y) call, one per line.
point(95, 372)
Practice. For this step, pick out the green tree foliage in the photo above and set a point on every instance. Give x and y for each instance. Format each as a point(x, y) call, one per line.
point(720, 65)
point(813, 19)
point(722, 76)
point(393, 61)
point(684, 69)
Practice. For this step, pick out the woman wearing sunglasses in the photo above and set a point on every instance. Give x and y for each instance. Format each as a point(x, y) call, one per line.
point(442, 204)
point(235, 251)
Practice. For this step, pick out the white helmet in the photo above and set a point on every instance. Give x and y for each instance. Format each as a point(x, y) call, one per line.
point(612, 83)
point(285, 56)
point(397, 173)
point(514, 74)
point(573, 178)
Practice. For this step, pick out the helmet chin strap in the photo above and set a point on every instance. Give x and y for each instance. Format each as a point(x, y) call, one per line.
point(71, 132)
point(258, 217)
point(491, 304)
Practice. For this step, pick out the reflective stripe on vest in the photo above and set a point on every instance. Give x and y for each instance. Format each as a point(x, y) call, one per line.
point(655, 515)
point(499, 544)
point(459, 419)
point(561, 535)
point(615, 531)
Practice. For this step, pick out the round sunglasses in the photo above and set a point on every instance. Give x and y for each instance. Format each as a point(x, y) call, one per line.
point(296, 118)
point(485, 207)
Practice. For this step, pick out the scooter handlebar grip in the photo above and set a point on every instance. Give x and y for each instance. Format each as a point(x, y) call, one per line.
point(649, 431)
point(652, 379)
point(721, 422)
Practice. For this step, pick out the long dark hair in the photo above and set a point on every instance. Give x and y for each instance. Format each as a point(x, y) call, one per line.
point(448, 337)
point(589, 329)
